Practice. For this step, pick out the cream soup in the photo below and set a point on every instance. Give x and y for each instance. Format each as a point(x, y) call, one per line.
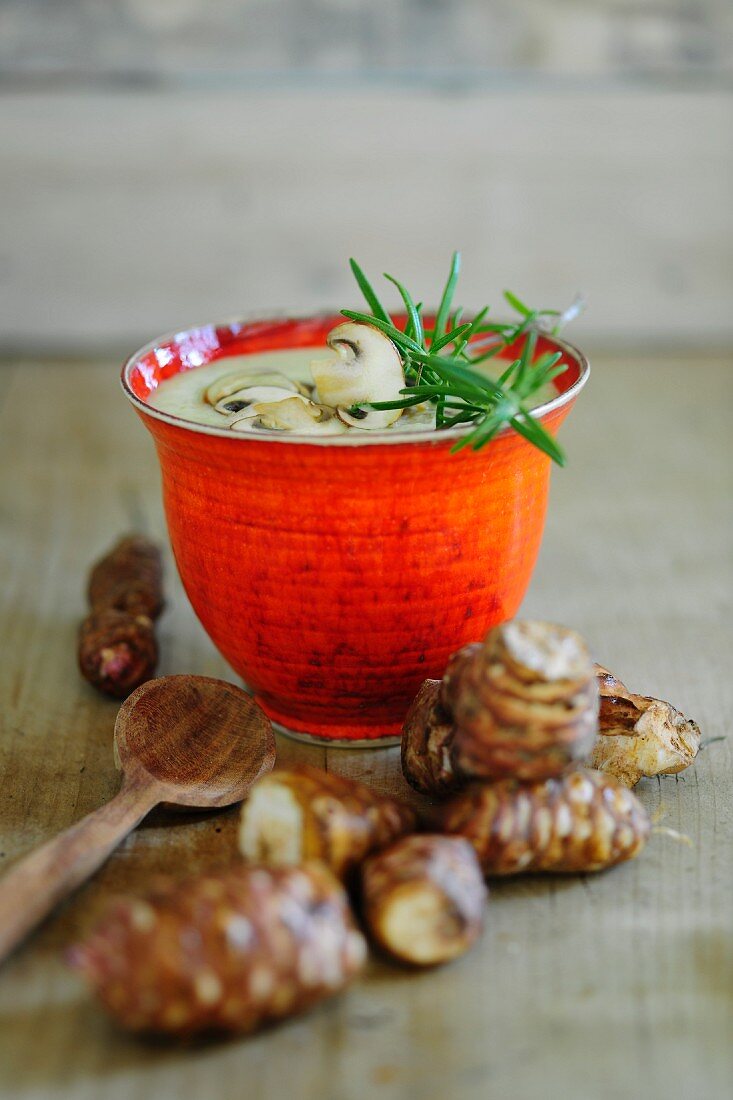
point(205, 395)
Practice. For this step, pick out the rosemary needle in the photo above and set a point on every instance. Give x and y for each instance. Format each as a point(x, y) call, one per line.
point(439, 363)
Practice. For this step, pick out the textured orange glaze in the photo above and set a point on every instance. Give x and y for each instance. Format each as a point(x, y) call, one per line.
point(336, 578)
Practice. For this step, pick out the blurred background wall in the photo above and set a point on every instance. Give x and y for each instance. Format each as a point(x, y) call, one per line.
point(164, 162)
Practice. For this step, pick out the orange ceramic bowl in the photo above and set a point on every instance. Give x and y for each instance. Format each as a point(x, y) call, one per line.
point(336, 573)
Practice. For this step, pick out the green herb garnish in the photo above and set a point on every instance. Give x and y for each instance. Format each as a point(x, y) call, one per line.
point(439, 362)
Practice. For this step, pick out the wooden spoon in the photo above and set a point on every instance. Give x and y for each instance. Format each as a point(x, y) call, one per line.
point(185, 740)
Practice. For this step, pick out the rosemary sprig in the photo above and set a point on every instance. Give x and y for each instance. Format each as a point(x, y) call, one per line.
point(439, 362)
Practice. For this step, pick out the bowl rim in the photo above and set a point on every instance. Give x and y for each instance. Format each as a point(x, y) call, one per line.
point(348, 439)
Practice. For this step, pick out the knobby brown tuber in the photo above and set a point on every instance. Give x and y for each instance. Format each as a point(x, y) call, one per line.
point(128, 578)
point(427, 740)
point(307, 813)
point(524, 702)
point(423, 898)
point(638, 735)
point(229, 952)
point(583, 821)
point(118, 650)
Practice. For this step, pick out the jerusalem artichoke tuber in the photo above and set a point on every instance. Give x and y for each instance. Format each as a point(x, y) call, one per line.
point(128, 578)
point(117, 647)
point(228, 952)
point(427, 738)
point(583, 821)
point(524, 703)
point(638, 735)
point(423, 898)
point(117, 651)
point(306, 813)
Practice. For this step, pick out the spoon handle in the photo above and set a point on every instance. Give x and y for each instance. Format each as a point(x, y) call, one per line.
point(37, 883)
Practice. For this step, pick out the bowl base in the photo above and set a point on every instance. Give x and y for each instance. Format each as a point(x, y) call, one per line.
point(339, 735)
point(338, 742)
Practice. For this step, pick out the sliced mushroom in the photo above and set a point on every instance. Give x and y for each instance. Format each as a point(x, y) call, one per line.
point(367, 368)
point(359, 417)
point(241, 399)
point(229, 384)
point(295, 414)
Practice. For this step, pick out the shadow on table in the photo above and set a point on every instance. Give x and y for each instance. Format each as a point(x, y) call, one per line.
point(27, 1066)
point(104, 1051)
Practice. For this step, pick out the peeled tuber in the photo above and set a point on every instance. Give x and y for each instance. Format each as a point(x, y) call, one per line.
point(423, 898)
point(306, 813)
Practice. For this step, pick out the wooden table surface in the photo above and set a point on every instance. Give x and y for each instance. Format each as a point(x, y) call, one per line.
point(609, 986)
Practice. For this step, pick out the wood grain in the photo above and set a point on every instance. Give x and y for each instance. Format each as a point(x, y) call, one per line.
point(200, 205)
point(610, 986)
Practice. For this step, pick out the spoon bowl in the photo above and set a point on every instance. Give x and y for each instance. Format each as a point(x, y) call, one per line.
point(206, 741)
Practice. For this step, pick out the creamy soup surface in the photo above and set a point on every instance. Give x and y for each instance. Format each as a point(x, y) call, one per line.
point(185, 394)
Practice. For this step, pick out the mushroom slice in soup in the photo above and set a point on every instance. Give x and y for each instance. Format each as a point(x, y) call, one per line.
point(295, 414)
point(365, 418)
point(242, 399)
point(367, 368)
point(228, 384)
